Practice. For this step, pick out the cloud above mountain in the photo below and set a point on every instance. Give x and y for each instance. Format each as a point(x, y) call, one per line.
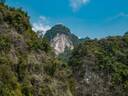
point(41, 24)
point(76, 4)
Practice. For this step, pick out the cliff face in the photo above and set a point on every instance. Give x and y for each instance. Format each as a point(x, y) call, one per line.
point(61, 38)
point(60, 42)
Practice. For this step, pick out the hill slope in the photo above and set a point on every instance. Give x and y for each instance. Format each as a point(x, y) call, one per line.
point(27, 66)
point(100, 67)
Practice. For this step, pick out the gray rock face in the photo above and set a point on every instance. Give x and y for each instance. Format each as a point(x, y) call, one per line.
point(60, 42)
point(61, 38)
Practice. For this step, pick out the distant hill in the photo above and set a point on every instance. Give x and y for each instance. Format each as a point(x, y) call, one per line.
point(60, 38)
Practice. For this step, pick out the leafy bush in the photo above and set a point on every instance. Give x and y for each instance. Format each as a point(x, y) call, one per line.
point(27, 89)
point(51, 67)
point(5, 43)
point(39, 44)
point(8, 82)
point(15, 18)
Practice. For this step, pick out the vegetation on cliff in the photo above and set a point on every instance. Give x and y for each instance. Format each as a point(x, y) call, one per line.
point(28, 66)
point(101, 65)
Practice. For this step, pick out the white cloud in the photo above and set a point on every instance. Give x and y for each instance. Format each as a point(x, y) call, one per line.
point(41, 25)
point(76, 4)
point(121, 14)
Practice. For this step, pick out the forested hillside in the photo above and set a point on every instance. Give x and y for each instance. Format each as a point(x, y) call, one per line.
point(100, 67)
point(28, 66)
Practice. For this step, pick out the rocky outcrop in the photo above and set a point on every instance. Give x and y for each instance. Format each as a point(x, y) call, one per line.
point(60, 42)
point(61, 38)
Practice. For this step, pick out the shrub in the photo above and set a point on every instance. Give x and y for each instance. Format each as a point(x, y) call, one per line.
point(37, 43)
point(51, 67)
point(8, 82)
point(27, 89)
point(5, 43)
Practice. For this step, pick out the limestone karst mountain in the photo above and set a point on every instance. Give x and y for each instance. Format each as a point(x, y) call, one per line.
point(61, 38)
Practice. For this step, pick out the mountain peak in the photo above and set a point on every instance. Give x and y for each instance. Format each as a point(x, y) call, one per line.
point(60, 38)
point(59, 28)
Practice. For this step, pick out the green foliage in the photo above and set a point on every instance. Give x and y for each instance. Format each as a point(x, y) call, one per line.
point(51, 67)
point(45, 90)
point(5, 43)
point(8, 81)
point(27, 68)
point(39, 44)
point(16, 18)
point(109, 56)
point(27, 89)
point(21, 69)
point(65, 55)
point(71, 83)
point(84, 39)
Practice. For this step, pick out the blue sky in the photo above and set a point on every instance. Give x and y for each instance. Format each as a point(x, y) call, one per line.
point(93, 18)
